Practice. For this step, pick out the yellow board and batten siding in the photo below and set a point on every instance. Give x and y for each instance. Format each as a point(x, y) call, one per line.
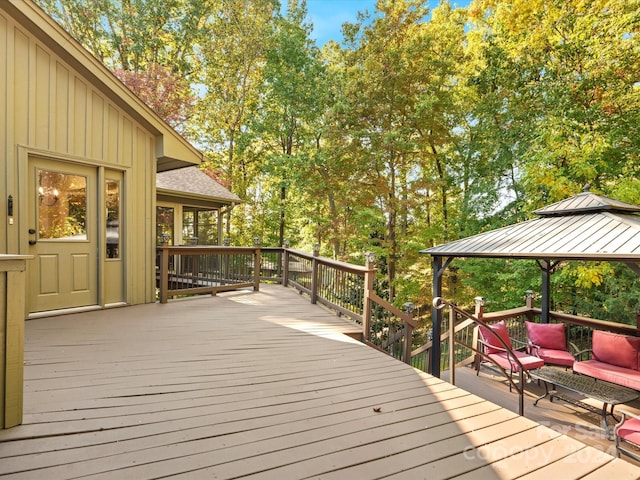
point(56, 112)
point(61, 104)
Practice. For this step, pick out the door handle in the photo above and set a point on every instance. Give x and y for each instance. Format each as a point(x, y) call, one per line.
point(32, 242)
point(32, 231)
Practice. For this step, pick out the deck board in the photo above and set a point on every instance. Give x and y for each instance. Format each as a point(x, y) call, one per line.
point(258, 385)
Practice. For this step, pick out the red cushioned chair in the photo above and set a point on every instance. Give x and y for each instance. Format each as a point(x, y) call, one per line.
point(496, 345)
point(627, 435)
point(548, 341)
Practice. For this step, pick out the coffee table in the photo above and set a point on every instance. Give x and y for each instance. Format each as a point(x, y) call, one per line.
point(608, 393)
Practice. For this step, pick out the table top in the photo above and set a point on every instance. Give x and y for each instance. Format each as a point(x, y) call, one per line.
point(597, 389)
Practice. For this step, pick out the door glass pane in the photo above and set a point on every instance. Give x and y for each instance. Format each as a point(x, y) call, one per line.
point(112, 199)
point(207, 227)
point(164, 225)
point(62, 206)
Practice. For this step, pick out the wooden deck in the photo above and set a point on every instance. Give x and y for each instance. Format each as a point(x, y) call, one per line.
point(260, 385)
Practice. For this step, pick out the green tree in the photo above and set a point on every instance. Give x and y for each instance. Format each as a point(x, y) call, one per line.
point(291, 104)
point(232, 51)
point(403, 109)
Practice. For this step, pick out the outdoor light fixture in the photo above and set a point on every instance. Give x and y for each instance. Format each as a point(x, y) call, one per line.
point(49, 197)
point(370, 257)
point(256, 241)
point(479, 301)
point(409, 307)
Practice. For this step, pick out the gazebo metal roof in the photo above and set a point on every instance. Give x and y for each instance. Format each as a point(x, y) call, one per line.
point(585, 227)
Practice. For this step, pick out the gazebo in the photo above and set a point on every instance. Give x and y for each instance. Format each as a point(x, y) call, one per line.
point(586, 227)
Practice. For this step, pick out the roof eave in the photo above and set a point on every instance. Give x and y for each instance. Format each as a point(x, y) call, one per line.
point(198, 197)
point(536, 256)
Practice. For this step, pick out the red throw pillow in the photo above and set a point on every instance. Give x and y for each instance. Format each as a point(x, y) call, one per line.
point(547, 335)
point(489, 333)
point(616, 349)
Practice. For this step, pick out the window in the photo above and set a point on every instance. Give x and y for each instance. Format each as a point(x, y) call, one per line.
point(112, 200)
point(164, 225)
point(200, 224)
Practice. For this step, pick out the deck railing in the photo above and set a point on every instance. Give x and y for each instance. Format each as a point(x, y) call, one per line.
point(348, 289)
point(193, 270)
point(343, 287)
point(579, 332)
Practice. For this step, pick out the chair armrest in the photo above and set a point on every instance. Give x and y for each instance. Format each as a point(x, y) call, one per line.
point(579, 354)
point(624, 416)
point(518, 344)
point(532, 348)
point(494, 347)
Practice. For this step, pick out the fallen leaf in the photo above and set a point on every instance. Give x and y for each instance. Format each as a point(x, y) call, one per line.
point(377, 409)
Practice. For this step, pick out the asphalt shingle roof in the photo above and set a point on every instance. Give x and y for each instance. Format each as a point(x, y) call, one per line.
point(193, 181)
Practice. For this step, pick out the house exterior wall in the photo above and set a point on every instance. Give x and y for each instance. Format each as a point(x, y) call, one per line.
point(51, 110)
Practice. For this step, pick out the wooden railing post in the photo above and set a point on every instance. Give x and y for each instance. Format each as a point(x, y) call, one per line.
point(224, 260)
point(12, 298)
point(285, 266)
point(256, 264)
point(369, 276)
point(529, 296)
point(314, 273)
point(408, 333)
point(164, 273)
point(479, 312)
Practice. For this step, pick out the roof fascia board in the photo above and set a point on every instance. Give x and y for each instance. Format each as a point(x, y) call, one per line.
point(194, 196)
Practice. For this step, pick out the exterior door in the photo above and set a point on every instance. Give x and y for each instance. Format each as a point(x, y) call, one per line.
point(62, 235)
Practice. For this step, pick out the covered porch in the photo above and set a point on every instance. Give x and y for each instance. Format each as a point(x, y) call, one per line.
point(262, 385)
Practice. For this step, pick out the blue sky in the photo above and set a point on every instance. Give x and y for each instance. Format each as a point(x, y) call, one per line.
point(328, 16)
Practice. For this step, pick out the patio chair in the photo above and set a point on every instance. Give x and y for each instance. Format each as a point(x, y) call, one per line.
point(627, 435)
point(548, 342)
point(495, 344)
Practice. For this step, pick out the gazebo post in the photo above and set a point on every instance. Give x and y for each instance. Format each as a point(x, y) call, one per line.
point(436, 316)
point(545, 266)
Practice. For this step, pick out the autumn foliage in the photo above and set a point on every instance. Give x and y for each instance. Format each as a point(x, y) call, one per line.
point(167, 93)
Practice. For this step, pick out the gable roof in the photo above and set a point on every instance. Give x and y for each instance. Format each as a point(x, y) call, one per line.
point(191, 183)
point(583, 227)
point(172, 150)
